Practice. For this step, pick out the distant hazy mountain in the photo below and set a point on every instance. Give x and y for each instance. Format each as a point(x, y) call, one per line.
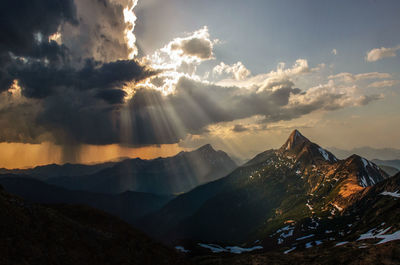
point(368, 152)
point(390, 163)
point(390, 170)
point(128, 205)
point(54, 170)
point(68, 234)
point(169, 175)
point(298, 181)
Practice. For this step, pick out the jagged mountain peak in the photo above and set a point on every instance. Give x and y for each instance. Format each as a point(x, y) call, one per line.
point(303, 149)
point(206, 147)
point(296, 139)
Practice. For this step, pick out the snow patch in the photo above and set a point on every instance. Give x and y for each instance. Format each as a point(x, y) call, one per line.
point(289, 250)
point(182, 249)
point(285, 232)
point(232, 249)
point(390, 237)
point(364, 183)
point(372, 180)
point(213, 247)
point(341, 243)
point(380, 234)
point(309, 245)
point(239, 250)
point(395, 194)
point(304, 237)
point(324, 153)
point(365, 162)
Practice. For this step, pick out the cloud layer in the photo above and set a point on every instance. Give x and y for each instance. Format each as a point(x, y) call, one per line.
point(67, 75)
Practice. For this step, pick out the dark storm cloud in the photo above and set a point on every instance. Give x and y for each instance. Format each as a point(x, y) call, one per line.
point(40, 80)
point(71, 91)
point(112, 96)
point(79, 117)
point(20, 20)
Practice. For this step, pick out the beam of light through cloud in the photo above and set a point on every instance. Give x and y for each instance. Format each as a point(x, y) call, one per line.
point(62, 83)
point(179, 58)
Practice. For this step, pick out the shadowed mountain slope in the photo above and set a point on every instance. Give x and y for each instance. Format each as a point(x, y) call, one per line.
point(129, 205)
point(169, 175)
point(65, 235)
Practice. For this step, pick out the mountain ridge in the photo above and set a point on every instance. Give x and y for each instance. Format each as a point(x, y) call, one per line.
point(276, 185)
point(128, 205)
point(170, 175)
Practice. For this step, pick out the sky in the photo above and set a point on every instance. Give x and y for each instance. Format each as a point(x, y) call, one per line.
point(86, 81)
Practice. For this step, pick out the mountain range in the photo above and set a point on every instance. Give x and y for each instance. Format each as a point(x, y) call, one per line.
point(292, 183)
point(169, 175)
point(393, 165)
point(368, 152)
point(54, 170)
point(298, 204)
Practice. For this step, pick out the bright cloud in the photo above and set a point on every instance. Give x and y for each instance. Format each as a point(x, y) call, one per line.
point(180, 58)
point(380, 53)
point(196, 47)
point(237, 70)
point(130, 20)
point(275, 77)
